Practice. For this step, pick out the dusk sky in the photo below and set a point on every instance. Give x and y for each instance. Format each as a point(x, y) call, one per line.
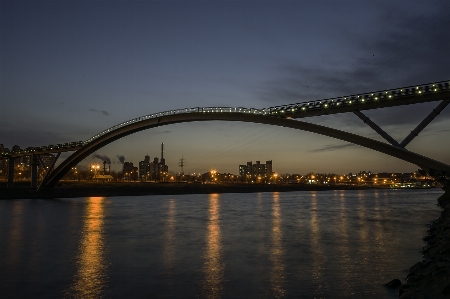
point(71, 69)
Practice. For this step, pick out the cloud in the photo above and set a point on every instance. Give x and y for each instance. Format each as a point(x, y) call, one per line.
point(444, 130)
point(14, 134)
point(103, 158)
point(332, 147)
point(407, 47)
point(102, 111)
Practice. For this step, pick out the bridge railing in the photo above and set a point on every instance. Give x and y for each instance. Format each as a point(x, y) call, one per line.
point(181, 111)
point(277, 111)
point(45, 148)
point(358, 99)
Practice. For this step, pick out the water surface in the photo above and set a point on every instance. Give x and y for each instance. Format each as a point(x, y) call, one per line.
point(330, 244)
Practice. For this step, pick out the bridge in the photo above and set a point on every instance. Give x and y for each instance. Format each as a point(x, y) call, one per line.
point(285, 116)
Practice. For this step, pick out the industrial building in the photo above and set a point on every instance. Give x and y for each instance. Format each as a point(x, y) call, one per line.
point(153, 171)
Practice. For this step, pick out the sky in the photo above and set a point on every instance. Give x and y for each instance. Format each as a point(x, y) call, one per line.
point(71, 69)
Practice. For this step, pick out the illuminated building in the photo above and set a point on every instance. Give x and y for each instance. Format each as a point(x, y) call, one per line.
point(153, 171)
point(256, 170)
point(144, 169)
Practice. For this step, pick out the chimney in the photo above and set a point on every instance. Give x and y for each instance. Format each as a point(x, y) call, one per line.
point(162, 150)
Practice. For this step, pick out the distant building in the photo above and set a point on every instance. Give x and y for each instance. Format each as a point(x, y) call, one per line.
point(24, 160)
point(47, 159)
point(257, 170)
point(3, 162)
point(269, 168)
point(3, 167)
point(246, 170)
point(144, 169)
point(153, 171)
point(103, 177)
point(130, 172)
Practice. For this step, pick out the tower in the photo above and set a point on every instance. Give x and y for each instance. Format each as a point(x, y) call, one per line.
point(162, 161)
point(182, 163)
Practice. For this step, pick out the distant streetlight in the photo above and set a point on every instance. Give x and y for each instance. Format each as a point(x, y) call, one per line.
point(95, 168)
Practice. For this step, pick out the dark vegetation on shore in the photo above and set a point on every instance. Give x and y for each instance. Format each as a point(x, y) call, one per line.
point(430, 278)
point(75, 189)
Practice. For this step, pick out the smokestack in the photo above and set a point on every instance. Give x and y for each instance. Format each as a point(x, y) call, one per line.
point(162, 150)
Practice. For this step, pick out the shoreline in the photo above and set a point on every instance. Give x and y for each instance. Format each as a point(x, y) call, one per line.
point(76, 189)
point(430, 277)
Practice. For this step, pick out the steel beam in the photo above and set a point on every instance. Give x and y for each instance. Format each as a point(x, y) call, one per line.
point(422, 161)
point(377, 129)
point(49, 170)
point(11, 161)
point(425, 122)
point(40, 161)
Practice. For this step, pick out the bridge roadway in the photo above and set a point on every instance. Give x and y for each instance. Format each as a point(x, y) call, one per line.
point(279, 115)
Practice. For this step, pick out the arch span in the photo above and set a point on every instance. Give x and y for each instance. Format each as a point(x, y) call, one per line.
point(143, 124)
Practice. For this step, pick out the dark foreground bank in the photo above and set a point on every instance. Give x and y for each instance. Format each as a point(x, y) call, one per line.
point(431, 277)
point(72, 189)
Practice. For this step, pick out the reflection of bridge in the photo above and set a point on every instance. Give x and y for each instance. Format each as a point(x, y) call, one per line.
point(280, 116)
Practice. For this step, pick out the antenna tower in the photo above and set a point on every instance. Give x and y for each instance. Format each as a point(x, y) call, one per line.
point(182, 163)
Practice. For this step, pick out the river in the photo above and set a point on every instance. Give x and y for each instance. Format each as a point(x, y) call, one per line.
point(328, 244)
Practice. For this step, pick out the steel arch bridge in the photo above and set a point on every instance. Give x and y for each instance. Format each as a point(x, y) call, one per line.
point(284, 116)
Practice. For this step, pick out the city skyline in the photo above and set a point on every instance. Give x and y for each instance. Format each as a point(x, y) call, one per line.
point(70, 70)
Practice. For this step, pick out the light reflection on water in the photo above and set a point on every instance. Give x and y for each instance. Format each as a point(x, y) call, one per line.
point(90, 278)
point(277, 273)
point(343, 245)
point(213, 268)
point(316, 247)
point(15, 235)
point(334, 244)
point(11, 248)
point(170, 237)
point(364, 248)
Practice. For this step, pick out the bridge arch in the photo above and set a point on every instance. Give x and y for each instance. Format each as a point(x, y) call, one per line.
point(247, 115)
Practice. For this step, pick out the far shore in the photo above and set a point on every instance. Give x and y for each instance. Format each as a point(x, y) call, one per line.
point(22, 190)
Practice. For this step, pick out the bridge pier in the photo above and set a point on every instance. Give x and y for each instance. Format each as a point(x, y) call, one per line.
point(11, 161)
point(34, 172)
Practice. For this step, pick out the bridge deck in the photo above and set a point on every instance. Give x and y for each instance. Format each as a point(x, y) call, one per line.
point(374, 100)
point(366, 101)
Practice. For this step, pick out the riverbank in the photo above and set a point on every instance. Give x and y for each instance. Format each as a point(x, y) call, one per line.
point(430, 278)
point(75, 189)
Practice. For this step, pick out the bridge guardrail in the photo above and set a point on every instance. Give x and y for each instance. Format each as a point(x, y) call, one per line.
point(275, 111)
point(378, 96)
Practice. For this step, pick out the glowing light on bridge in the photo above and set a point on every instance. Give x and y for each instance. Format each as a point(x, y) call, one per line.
point(277, 111)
